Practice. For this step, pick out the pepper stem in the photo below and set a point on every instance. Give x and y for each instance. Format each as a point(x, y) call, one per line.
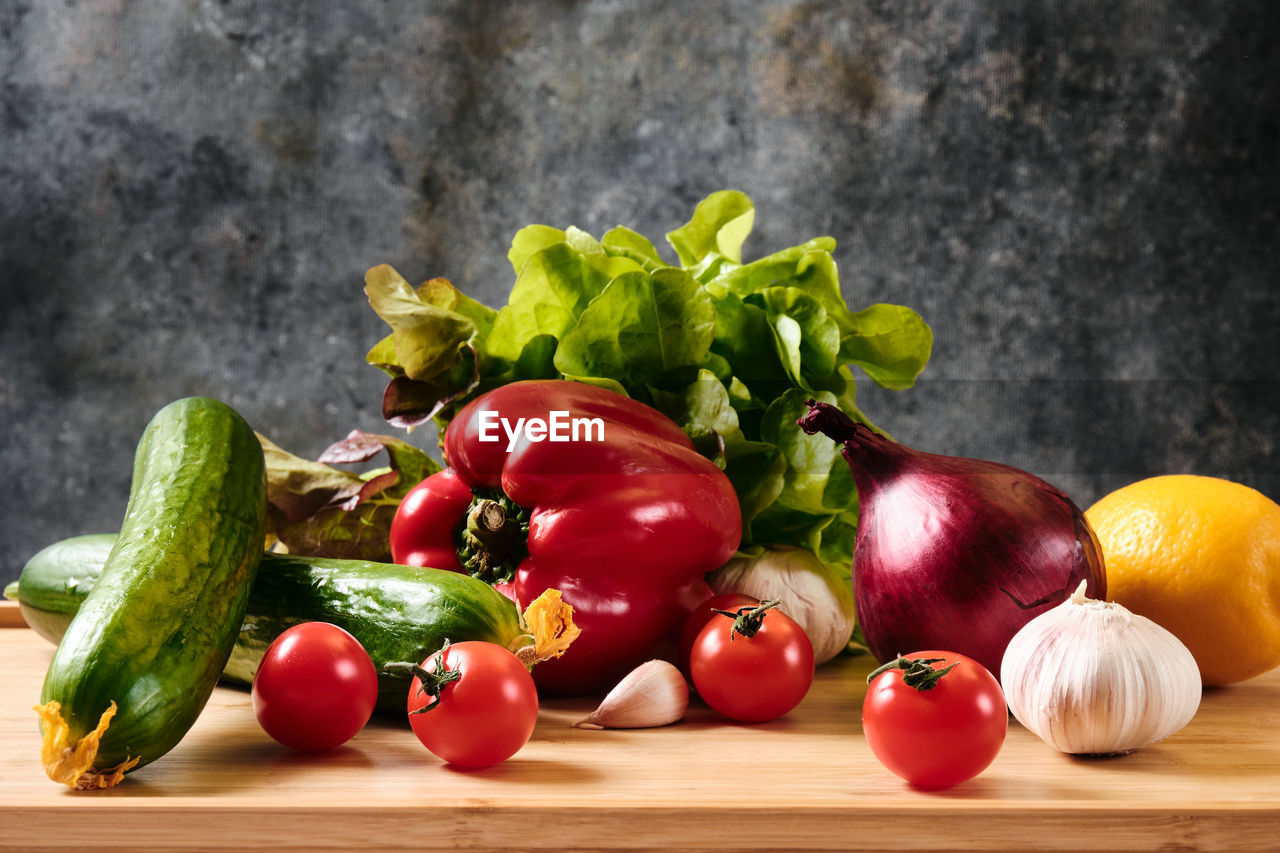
point(747, 620)
point(493, 538)
point(916, 672)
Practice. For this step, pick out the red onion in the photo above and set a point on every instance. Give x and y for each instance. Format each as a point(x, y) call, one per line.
point(955, 553)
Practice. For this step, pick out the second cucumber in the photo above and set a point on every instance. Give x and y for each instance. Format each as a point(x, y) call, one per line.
point(398, 613)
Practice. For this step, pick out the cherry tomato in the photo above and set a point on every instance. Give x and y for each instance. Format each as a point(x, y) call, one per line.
point(479, 705)
point(315, 688)
point(939, 736)
point(704, 613)
point(755, 668)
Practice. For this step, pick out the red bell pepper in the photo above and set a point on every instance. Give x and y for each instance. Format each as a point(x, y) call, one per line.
point(625, 519)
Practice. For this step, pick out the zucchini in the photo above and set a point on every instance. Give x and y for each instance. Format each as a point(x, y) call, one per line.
point(142, 654)
point(398, 613)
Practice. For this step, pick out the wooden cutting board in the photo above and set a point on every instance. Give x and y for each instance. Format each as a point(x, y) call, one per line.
point(806, 782)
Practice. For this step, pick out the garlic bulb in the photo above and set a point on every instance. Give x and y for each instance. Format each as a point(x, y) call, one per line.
point(652, 694)
point(812, 593)
point(1092, 678)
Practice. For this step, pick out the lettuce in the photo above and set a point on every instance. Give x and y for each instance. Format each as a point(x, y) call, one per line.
point(729, 350)
point(316, 509)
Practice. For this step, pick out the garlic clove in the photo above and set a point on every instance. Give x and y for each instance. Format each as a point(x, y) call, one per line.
point(652, 694)
point(1093, 678)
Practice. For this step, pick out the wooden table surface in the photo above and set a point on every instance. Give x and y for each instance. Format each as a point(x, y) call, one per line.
point(806, 782)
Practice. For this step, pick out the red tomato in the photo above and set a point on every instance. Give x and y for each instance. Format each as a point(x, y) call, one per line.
point(941, 736)
point(752, 675)
point(704, 613)
point(484, 714)
point(315, 688)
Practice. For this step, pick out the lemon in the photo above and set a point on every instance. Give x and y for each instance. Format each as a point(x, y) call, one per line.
point(1201, 557)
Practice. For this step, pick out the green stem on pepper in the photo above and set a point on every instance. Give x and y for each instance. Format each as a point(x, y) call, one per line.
point(494, 537)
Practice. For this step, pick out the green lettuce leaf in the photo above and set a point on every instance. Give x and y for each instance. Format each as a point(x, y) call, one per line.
point(529, 241)
point(552, 290)
point(891, 343)
point(642, 327)
point(705, 410)
point(624, 242)
point(425, 333)
point(322, 511)
point(720, 224)
point(740, 328)
point(432, 353)
point(813, 338)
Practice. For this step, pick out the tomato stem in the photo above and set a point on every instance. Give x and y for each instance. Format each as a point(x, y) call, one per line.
point(432, 682)
point(916, 672)
point(747, 620)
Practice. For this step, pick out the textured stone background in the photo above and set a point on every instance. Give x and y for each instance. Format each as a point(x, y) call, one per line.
point(1082, 203)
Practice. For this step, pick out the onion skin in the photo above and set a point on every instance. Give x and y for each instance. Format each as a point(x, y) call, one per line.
point(955, 553)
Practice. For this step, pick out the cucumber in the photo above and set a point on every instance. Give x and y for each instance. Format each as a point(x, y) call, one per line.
point(398, 613)
point(142, 654)
point(57, 579)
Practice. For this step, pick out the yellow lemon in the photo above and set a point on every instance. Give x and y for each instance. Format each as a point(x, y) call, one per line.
point(1200, 556)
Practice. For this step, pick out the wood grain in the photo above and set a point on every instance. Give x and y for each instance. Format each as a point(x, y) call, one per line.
point(807, 782)
point(11, 615)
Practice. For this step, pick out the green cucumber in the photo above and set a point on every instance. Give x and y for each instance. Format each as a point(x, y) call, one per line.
point(398, 613)
point(141, 657)
point(57, 579)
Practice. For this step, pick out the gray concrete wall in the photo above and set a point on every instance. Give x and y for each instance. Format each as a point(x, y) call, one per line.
point(1081, 198)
